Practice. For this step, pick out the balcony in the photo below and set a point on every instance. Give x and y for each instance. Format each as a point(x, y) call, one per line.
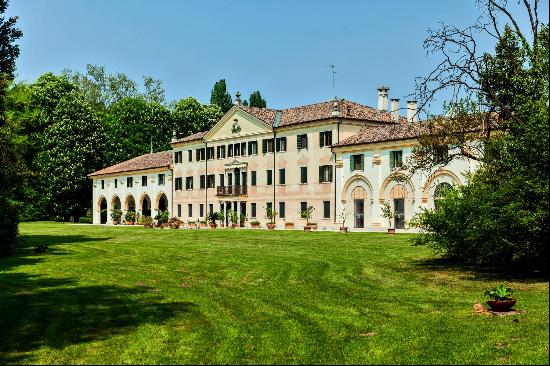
point(231, 191)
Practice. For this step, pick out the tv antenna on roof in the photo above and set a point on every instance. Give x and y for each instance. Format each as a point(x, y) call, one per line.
point(333, 72)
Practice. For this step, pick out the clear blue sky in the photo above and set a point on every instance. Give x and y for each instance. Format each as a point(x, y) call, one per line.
point(283, 48)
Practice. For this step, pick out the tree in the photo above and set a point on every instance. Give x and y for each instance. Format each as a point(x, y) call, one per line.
point(221, 97)
point(10, 159)
point(190, 116)
point(73, 147)
point(500, 102)
point(256, 100)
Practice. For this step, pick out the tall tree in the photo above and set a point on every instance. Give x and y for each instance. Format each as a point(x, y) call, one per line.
point(256, 100)
point(73, 146)
point(10, 158)
point(220, 96)
point(190, 116)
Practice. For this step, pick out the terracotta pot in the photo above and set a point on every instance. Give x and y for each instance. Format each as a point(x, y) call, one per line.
point(255, 226)
point(391, 230)
point(307, 228)
point(271, 226)
point(313, 227)
point(344, 229)
point(202, 224)
point(115, 222)
point(191, 225)
point(213, 226)
point(234, 226)
point(501, 305)
point(289, 226)
point(129, 223)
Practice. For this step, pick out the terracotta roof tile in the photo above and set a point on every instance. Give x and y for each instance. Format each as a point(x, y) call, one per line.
point(263, 114)
point(195, 136)
point(147, 161)
point(371, 134)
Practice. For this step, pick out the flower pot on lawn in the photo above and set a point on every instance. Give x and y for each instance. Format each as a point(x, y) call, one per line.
point(271, 226)
point(115, 222)
point(307, 228)
point(391, 230)
point(344, 229)
point(289, 225)
point(202, 224)
point(213, 226)
point(313, 226)
point(234, 226)
point(191, 225)
point(501, 305)
point(255, 225)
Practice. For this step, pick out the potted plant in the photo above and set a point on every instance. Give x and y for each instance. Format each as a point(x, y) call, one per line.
point(341, 216)
point(191, 223)
point(130, 217)
point(242, 219)
point(212, 218)
point(148, 222)
point(306, 214)
point(289, 225)
point(162, 218)
point(202, 223)
point(313, 225)
point(116, 215)
point(501, 298)
point(234, 218)
point(222, 218)
point(388, 214)
point(139, 219)
point(270, 214)
point(175, 223)
point(255, 224)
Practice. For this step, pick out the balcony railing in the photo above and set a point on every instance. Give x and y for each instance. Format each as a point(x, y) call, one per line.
point(234, 190)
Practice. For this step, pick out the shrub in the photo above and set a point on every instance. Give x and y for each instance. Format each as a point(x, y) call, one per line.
point(175, 222)
point(148, 221)
point(85, 220)
point(162, 217)
point(116, 214)
point(130, 216)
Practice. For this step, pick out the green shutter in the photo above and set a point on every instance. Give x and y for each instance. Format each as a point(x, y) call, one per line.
point(352, 163)
point(321, 140)
point(330, 174)
point(329, 133)
point(321, 174)
point(392, 160)
point(299, 142)
point(362, 162)
point(264, 146)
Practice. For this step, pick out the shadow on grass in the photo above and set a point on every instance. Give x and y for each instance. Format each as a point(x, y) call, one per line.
point(36, 239)
point(479, 273)
point(36, 311)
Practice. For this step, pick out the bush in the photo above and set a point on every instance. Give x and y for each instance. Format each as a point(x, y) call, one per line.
point(130, 216)
point(162, 217)
point(175, 222)
point(148, 221)
point(85, 220)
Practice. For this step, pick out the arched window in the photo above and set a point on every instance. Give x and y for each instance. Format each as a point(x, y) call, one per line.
point(440, 191)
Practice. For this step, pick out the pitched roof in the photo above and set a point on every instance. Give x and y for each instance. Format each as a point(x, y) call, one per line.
point(147, 161)
point(397, 131)
point(321, 111)
point(195, 136)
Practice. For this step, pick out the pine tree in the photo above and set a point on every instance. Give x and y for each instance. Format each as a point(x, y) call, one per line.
point(256, 100)
point(220, 96)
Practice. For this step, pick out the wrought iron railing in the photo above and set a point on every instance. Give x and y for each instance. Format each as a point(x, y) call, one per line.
point(234, 190)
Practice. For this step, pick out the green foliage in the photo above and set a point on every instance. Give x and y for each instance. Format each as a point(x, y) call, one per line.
point(387, 212)
point(190, 116)
point(213, 217)
point(233, 216)
point(116, 214)
point(162, 217)
point(307, 214)
point(500, 293)
point(130, 216)
point(220, 96)
point(256, 100)
point(270, 214)
point(147, 221)
point(85, 220)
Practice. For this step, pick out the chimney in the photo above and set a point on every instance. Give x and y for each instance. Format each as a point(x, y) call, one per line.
point(394, 110)
point(411, 111)
point(383, 98)
point(238, 100)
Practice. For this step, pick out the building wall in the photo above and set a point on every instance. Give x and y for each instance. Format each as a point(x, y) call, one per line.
point(382, 184)
point(124, 193)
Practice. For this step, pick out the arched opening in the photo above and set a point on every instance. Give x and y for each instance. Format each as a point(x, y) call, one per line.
point(440, 191)
point(399, 194)
point(359, 195)
point(103, 211)
point(145, 206)
point(116, 203)
point(130, 204)
point(162, 203)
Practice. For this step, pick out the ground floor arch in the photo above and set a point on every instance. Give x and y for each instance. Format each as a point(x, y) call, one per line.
point(162, 202)
point(102, 204)
point(145, 205)
point(130, 203)
point(115, 203)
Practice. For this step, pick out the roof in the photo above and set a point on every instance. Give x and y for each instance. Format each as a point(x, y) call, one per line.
point(372, 134)
point(320, 111)
point(193, 137)
point(147, 161)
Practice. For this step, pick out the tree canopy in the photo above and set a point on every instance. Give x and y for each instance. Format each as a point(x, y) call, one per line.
point(220, 96)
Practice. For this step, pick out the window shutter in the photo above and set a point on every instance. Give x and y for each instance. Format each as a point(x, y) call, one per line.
point(329, 135)
point(321, 174)
point(321, 139)
point(278, 144)
point(362, 162)
point(352, 163)
point(330, 174)
point(392, 160)
point(299, 142)
point(264, 146)
point(305, 140)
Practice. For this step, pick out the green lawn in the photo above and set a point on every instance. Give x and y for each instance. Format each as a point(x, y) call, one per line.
point(133, 295)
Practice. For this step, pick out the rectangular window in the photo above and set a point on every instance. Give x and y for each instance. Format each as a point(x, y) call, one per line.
point(189, 183)
point(210, 208)
point(282, 177)
point(222, 181)
point(253, 148)
point(201, 154)
point(252, 210)
point(179, 210)
point(357, 162)
point(441, 154)
point(116, 183)
point(190, 210)
point(325, 173)
point(325, 138)
point(189, 155)
point(201, 210)
point(178, 157)
point(202, 181)
point(269, 177)
point(162, 178)
point(269, 205)
point(243, 148)
point(267, 146)
point(237, 150)
point(282, 210)
point(229, 150)
point(396, 159)
point(102, 184)
point(303, 207)
point(144, 180)
point(221, 152)
point(301, 142)
point(326, 209)
point(129, 182)
point(178, 183)
point(210, 153)
point(303, 174)
point(211, 181)
point(253, 178)
point(281, 144)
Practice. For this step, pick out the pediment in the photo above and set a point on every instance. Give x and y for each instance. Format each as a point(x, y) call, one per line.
point(236, 123)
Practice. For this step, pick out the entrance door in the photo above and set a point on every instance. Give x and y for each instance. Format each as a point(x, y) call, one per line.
point(359, 213)
point(243, 212)
point(226, 213)
point(399, 210)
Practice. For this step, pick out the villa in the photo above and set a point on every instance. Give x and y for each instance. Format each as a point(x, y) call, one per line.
point(340, 157)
